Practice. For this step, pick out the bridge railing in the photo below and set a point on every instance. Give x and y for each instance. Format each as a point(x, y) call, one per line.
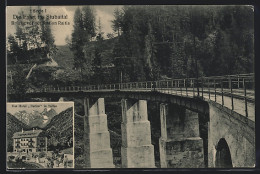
point(239, 86)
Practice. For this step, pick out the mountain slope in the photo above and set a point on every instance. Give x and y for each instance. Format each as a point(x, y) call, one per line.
point(60, 128)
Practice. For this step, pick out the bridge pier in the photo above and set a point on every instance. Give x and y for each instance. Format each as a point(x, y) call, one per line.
point(137, 150)
point(180, 144)
point(97, 150)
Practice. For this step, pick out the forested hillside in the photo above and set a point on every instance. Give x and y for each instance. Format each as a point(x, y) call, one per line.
point(156, 42)
point(148, 43)
point(181, 41)
point(60, 129)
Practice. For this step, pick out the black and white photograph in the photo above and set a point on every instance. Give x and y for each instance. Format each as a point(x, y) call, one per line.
point(153, 86)
point(39, 135)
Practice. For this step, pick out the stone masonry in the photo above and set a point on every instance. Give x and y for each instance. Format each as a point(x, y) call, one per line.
point(98, 153)
point(180, 144)
point(137, 150)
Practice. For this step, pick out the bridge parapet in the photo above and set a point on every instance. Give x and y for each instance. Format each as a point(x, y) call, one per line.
point(221, 89)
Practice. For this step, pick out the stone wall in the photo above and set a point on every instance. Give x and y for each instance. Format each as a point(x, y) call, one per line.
point(237, 130)
point(186, 153)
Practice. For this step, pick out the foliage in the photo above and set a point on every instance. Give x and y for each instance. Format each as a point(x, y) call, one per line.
point(184, 41)
point(18, 85)
point(148, 43)
point(84, 31)
point(117, 22)
point(42, 154)
point(156, 42)
point(31, 43)
point(47, 37)
point(40, 75)
point(60, 129)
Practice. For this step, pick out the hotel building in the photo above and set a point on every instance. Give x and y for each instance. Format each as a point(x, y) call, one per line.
point(30, 141)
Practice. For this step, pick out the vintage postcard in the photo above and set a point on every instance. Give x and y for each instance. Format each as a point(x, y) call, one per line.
point(153, 86)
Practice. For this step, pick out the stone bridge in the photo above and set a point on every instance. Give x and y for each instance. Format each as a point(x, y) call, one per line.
point(206, 122)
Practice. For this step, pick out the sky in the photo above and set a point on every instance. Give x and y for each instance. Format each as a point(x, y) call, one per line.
point(60, 32)
point(12, 108)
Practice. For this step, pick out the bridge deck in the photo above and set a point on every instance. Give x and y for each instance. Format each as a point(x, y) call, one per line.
point(238, 102)
point(235, 92)
point(209, 94)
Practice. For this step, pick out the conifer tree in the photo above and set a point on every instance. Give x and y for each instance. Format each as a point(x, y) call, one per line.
point(84, 31)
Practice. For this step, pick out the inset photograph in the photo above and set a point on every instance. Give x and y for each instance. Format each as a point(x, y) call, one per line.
point(153, 86)
point(40, 135)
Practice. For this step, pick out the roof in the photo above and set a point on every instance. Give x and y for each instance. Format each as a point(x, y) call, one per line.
point(27, 134)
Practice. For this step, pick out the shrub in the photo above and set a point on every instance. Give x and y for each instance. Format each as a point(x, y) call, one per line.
point(42, 154)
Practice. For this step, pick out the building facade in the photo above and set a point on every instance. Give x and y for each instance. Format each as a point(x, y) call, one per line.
point(30, 141)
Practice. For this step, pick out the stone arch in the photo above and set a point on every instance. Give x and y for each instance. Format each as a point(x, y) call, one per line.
point(223, 155)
